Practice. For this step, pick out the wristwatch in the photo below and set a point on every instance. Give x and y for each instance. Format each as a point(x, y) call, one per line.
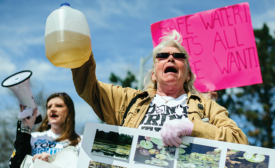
point(26, 129)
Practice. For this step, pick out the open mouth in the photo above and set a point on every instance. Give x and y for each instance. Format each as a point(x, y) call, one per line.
point(170, 69)
point(54, 116)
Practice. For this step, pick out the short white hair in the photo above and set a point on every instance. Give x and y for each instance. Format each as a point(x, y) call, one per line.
point(171, 39)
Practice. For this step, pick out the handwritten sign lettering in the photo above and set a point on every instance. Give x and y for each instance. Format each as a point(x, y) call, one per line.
point(221, 45)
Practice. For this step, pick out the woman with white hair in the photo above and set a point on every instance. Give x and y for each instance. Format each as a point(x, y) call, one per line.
point(169, 103)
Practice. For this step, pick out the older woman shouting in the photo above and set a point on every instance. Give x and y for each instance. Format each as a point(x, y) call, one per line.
point(170, 102)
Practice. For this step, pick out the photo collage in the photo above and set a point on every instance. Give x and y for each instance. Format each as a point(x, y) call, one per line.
point(151, 151)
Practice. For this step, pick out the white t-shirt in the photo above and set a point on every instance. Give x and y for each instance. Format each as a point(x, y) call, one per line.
point(45, 142)
point(161, 110)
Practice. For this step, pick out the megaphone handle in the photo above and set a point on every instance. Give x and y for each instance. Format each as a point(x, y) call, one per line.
point(27, 112)
point(30, 122)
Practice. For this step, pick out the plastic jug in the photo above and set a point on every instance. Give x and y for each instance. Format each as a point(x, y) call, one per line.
point(67, 37)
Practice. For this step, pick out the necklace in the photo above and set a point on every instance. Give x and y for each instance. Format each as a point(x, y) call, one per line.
point(166, 101)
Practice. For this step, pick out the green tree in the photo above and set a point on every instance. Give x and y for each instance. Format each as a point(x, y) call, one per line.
point(255, 103)
point(127, 82)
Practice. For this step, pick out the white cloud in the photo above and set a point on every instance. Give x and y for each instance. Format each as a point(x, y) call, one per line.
point(20, 46)
point(46, 72)
point(98, 16)
point(267, 17)
point(135, 9)
point(120, 68)
point(84, 114)
point(102, 16)
point(37, 40)
point(21, 29)
point(6, 66)
point(177, 12)
point(93, 16)
point(110, 8)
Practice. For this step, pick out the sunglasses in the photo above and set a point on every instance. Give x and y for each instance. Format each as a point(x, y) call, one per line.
point(175, 55)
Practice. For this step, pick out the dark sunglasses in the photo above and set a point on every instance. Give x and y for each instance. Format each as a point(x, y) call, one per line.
point(175, 55)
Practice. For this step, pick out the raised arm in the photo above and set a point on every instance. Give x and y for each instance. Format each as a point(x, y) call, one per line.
point(22, 146)
point(108, 101)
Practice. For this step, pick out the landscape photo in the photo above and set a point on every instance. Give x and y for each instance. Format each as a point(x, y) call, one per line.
point(112, 144)
point(243, 159)
point(94, 164)
point(194, 155)
point(151, 151)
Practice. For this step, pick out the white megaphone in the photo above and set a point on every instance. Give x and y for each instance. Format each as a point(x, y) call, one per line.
point(19, 83)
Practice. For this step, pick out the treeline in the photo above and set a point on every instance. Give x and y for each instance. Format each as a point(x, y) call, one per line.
point(114, 137)
point(254, 105)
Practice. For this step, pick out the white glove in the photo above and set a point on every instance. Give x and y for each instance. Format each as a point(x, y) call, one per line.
point(172, 129)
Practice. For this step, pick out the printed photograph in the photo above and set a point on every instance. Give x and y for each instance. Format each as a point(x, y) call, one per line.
point(194, 155)
point(241, 159)
point(94, 164)
point(151, 151)
point(112, 144)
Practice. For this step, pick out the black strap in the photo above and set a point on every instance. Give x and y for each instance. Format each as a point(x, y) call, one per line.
point(194, 97)
point(129, 106)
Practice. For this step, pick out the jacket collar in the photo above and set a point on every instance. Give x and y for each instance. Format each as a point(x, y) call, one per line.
point(151, 94)
point(193, 96)
point(146, 95)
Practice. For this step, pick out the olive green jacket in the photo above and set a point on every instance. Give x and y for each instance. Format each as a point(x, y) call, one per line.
point(109, 102)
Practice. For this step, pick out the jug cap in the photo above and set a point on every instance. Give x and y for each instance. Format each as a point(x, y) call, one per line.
point(65, 4)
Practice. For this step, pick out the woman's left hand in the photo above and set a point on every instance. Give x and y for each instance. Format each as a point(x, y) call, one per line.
point(29, 121)
point(43, 156)
point(172, 129)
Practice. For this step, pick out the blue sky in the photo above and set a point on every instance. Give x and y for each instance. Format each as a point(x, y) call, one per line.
point(120, 35)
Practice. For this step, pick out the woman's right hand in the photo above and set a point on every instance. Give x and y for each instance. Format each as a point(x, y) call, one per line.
point(29, 121)
point(173, 129)
point(43, 156)
point(213, 95)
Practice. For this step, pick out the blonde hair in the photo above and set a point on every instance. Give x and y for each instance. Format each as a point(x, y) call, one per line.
point(171, 39)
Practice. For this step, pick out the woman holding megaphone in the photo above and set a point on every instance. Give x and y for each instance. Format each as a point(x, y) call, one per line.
point(55, 133)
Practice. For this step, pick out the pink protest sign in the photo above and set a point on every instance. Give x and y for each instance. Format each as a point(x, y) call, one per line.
point(221, 45)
